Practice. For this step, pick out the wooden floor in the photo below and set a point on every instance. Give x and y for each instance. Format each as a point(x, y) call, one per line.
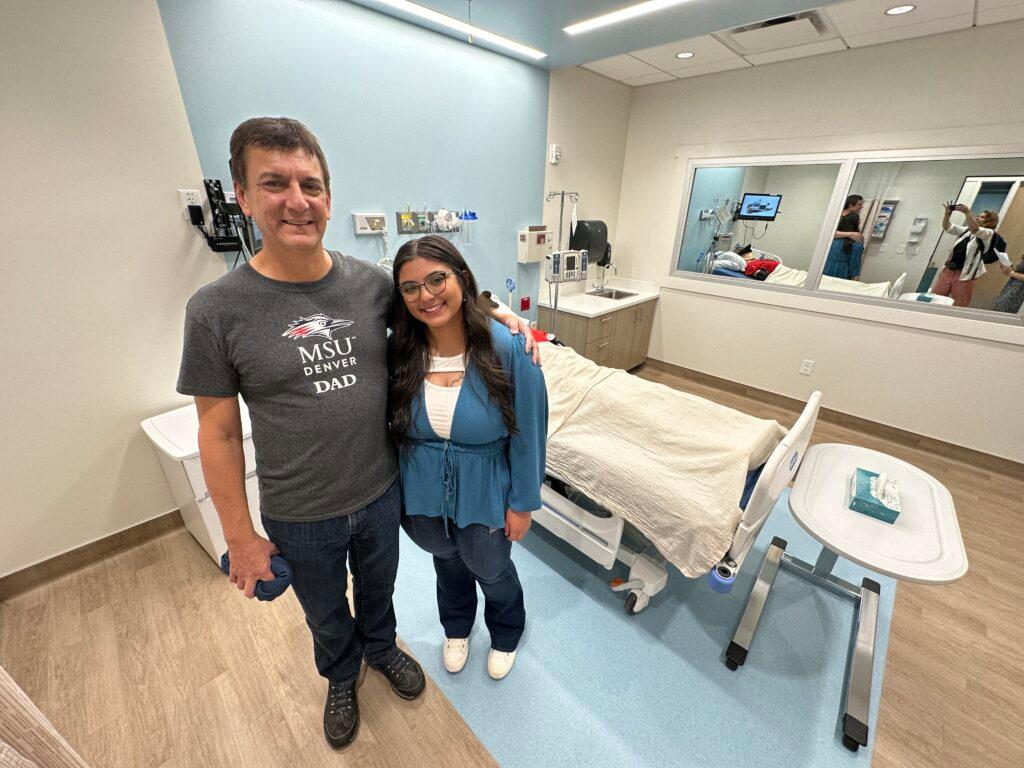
point(150, 659)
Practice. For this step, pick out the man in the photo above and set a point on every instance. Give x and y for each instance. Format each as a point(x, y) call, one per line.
point(301, 334)
point(977, 244)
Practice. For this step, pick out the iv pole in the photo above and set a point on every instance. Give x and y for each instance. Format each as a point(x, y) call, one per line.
point(574, 197)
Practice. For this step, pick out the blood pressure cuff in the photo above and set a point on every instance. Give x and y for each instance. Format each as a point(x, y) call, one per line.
point(267, 590)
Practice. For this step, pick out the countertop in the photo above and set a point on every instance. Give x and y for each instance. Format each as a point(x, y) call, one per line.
point(575, 301)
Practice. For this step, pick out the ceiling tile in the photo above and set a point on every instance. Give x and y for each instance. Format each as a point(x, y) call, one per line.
point(705, 50)
point(797, 52)
point(661, 77)
point(995, 14)
point(707, 69)
point(916, 30)
point(621, 67)
point(864, 17)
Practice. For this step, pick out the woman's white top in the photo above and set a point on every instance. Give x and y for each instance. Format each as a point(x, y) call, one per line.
point(440, 401)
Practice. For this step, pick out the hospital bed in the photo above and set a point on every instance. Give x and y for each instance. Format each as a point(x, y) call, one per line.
point(627, 456)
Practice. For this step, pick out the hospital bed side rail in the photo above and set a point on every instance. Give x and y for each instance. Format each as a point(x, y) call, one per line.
point(778, 472)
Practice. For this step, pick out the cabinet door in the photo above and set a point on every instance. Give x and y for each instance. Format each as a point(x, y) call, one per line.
point(642, 334)
point(622, 341)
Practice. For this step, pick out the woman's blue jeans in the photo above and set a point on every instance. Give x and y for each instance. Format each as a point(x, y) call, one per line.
point(469, 556)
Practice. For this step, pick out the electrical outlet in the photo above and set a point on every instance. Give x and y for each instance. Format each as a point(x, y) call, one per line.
point(806, 366)
point(189, 197)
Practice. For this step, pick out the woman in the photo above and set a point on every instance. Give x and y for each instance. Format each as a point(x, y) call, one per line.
point(469, 412)
point(848, 243)
point(1011, 297)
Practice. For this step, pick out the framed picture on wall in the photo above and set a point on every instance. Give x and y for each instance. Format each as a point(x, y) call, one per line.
point(886, 210)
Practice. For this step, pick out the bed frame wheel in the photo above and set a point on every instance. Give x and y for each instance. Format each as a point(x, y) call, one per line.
point(636, 601)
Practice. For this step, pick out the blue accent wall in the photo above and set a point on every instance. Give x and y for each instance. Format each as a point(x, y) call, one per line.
point(404, 115)
point(709, 185)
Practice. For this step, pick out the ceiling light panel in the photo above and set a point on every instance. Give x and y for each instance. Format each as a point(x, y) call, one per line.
point(450, 22)
point(621, 15)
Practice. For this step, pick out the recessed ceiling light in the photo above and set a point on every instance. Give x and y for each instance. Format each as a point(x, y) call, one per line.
point(899, 10)
point(461, 26)
point(623, 14)
point(684, 55)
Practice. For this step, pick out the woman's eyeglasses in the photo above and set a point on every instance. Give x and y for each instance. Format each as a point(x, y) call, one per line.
point(434, 284)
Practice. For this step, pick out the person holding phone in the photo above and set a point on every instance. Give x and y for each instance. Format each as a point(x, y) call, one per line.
point(977, 243)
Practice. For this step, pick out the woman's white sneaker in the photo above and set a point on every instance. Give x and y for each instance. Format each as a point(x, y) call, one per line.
point(455, 653)
point(500, 663)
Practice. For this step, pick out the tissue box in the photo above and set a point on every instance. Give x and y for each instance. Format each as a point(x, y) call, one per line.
point(865, 497)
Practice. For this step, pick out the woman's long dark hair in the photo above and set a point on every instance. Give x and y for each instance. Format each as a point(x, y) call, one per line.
point(408, 349)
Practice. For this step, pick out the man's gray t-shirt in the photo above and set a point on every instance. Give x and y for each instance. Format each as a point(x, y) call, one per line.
point(309, 359)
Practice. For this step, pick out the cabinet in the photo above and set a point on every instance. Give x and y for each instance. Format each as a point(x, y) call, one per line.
point(617, 339)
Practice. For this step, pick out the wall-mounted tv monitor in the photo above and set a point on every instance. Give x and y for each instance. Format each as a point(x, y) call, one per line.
point(758, 207)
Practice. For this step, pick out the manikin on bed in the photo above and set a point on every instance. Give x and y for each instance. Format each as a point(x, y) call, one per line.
point(675, 466)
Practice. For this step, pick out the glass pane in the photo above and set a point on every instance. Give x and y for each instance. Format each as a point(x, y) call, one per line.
point(897, 242)
point(757, 223)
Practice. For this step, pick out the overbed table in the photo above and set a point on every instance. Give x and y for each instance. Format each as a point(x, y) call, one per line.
point(923, 545)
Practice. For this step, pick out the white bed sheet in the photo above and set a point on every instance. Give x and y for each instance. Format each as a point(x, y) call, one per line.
point(783, 275)
point(670, 463)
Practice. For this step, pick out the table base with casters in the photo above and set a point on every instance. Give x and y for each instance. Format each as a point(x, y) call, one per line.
point(922, 545)
point(865, 599)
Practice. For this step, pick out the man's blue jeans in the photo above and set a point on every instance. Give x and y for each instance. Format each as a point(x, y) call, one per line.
point(474, 554)
point(317, 552)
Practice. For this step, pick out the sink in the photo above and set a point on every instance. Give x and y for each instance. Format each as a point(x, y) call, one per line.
point(611, 293)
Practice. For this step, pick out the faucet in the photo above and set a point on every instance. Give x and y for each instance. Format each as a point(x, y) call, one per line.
point(604, 276)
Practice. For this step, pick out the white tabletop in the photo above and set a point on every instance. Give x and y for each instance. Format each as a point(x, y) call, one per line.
point(923, 545)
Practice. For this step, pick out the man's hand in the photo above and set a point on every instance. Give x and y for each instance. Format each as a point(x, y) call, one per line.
point(517, 524)
point(1006, 270)
point(250, 562)
point(517, 324)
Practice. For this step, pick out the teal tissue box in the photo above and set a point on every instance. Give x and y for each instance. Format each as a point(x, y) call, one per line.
point(865, 497)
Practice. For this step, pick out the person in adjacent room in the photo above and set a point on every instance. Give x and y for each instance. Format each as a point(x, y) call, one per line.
point(1011, 298)
point(469, 414)
point(301, 334)
point(844, 255)
point(977, 243)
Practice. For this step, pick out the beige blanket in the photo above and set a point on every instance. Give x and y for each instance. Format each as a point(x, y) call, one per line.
point(670, 463)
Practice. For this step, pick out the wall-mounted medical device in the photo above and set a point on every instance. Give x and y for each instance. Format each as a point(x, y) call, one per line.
point(369, 223)
point(533, 245)
point(565, 266)
point(230, 229)
point(755, 207)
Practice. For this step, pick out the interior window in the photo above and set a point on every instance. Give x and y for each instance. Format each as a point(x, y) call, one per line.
point(756, 223)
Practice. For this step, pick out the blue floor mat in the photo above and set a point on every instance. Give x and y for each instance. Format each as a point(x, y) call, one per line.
point(595, 687)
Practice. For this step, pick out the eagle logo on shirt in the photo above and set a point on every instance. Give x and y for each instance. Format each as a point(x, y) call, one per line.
point(314, 325)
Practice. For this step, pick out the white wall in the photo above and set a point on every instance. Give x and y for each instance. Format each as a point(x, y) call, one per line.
point(97, 263)
point(588, 116)
point(795, 107)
